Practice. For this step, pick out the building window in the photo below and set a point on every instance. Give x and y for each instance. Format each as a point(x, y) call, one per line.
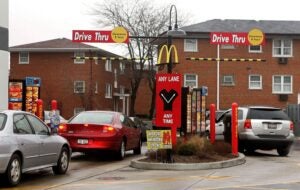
point(79, 87)
point(191, 80)
point(255, 49)
point(108, 65)
point(78, 110)
point(122, 68)
point(122, 91)
point(190, 45)
point(23, 58)
point(282, 48)
point(108, 91)
point(255, 82)
point(77, 56)
point(282, 84)
point(227, 80)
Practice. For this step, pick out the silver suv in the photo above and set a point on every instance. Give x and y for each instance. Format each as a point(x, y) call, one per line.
point(263, 128)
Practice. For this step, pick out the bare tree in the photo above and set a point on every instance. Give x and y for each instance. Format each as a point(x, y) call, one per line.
point(143, 21)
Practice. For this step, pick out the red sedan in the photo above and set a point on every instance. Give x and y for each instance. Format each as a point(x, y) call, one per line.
point(102, 130)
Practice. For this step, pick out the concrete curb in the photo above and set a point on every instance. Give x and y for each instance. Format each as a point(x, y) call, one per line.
point(182, 166)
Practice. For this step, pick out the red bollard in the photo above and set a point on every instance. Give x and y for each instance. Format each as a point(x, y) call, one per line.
point(53, 105)
point(234, 129)
point(40, 110)
point(212, 109)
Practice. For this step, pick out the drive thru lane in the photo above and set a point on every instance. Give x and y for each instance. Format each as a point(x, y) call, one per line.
point(262, 170)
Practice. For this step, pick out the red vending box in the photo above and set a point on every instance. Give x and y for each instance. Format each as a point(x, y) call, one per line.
point(16, 94)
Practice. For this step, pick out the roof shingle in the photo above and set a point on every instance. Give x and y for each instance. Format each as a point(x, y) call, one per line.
point(231, 25)
point(57, 45)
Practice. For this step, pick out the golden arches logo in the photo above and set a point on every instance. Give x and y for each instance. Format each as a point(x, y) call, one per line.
point(168, 53)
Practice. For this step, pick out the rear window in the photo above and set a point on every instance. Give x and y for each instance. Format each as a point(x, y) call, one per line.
point(273, 114)
point(2, 121)
point(93, 118)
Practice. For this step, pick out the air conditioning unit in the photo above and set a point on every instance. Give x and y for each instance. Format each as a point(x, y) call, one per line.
point(282, 60)
point(283, 97)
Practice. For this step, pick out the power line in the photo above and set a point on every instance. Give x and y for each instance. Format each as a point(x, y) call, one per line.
point(225, 59)
point(113, 58)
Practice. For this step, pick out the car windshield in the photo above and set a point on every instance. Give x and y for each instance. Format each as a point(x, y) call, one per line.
point(2, 121)
point(93, 118)
point(273, 114)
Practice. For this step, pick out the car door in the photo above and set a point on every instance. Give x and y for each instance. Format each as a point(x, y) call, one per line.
point(49, 148)
point(131, 132)
point(27, 141)
point(136, 133)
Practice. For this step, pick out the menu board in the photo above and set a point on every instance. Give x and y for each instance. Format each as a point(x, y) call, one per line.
point(15, 95)
point(32, 95)
point(189, 114)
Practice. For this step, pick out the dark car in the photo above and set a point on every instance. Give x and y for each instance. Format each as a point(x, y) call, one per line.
point(102, 130)
point(142, 125)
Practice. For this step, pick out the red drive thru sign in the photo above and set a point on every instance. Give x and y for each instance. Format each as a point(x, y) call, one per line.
point(168, 100)
point(117, 35)
point(254, 37)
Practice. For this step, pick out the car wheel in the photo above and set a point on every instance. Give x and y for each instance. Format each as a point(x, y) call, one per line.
point(283, 151)
point(14, 170)
point(138, 150)
point(249, 151)
point(121, 152)
point(63, 162)
point(241, 147)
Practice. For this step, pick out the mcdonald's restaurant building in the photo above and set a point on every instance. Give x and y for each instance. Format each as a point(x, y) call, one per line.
point(265, 74)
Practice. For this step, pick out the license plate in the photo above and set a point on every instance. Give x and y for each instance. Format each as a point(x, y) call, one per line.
point(272, 126)
point(82, 141)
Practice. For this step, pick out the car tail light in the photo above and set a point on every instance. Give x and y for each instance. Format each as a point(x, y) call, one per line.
point(62, 128)
point(247, 124)
point(108, 129)
point(291, 126)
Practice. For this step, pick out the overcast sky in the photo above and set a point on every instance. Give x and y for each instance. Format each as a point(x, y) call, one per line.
point(38, 20)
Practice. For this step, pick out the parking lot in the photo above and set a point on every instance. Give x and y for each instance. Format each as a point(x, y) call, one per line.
point(262, 170)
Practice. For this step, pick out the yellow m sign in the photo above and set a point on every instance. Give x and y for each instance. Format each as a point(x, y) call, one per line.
point(168, 54)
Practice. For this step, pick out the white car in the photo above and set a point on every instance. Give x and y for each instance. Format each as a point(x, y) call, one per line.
point(261, 127)
point(219, 125)
point(27, 143)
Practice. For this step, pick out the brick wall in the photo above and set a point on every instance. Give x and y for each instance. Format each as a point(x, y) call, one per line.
point(58, 72)
point(207, 73)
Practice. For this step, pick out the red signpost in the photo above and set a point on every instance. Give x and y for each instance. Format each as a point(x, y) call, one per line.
point(212, 123)
point(234, 129)
point(168, 102)
point(53, 105)
point(40, 109)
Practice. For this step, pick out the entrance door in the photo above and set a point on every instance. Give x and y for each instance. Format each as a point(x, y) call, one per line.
point(121, 103)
